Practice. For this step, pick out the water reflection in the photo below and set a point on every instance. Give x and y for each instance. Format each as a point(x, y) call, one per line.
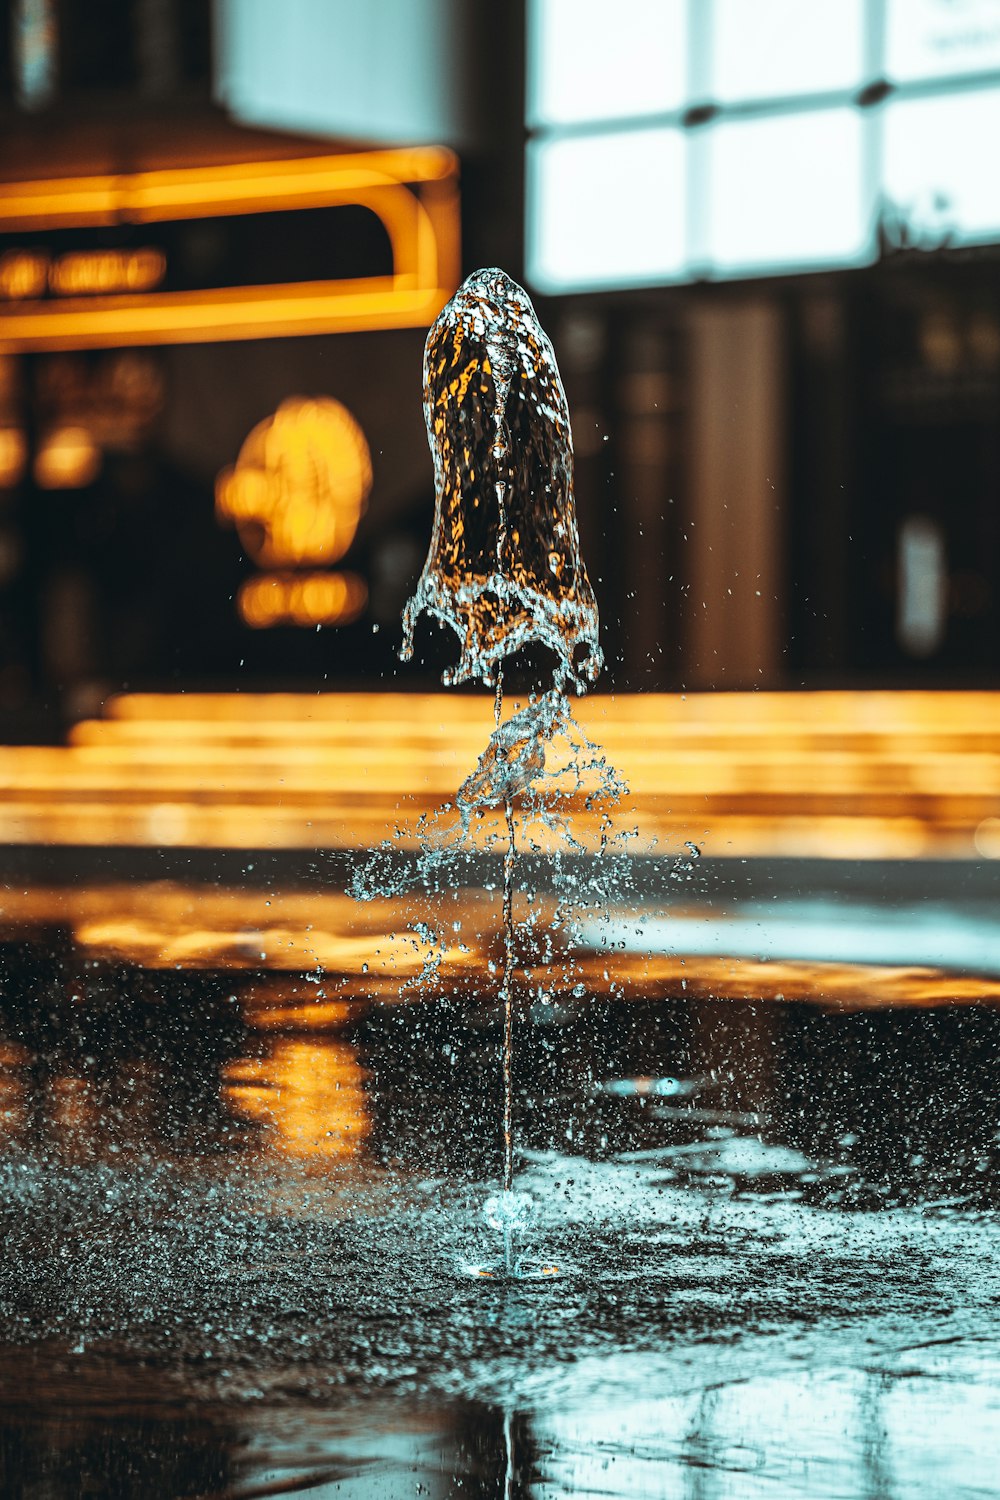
point(829, 1433)
point(233, 1196)
point(105, 1061)
point(307, 1095)
point(131, 1437)
point(834, 1433)
point(875, 1083)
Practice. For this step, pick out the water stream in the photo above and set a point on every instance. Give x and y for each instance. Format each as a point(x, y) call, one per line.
point(504, 572)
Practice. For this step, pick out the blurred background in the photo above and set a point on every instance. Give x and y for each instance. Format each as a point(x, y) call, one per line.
point(765, 240)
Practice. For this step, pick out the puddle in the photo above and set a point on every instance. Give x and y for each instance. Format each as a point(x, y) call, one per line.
point(236, 1197)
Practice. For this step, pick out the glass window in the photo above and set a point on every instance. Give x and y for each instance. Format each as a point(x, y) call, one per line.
point(763, 49)
point(941, 38)
point(786, 192)
point(939, 168)
point(589, 61)
point(607, 210)
point(789, 172)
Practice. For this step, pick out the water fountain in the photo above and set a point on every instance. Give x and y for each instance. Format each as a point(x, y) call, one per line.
point(504, 572)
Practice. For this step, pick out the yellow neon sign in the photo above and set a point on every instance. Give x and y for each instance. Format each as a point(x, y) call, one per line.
point(95, 271)
point(413, 193)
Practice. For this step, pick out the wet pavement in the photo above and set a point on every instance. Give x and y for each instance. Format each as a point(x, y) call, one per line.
point(237, 1195)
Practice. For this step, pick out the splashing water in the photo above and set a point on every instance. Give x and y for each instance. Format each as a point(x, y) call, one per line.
point(504, 571)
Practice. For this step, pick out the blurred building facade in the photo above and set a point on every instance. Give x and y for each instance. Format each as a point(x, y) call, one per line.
point(767, 258)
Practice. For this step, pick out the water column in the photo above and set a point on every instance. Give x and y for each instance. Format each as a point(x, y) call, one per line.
point(504, 569)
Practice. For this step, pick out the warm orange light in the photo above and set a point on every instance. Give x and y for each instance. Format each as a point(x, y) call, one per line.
point(23, 273)
point(302, 599)
point(28, 273)
point(323, 952)
point(83, 271)
point(845, 775)
point(68, 459)
point(830, 985)
point(288, 310)
point(308, 1096)
point(299, 486)
point(296, 494)
point(13, 456)
point(239, 187)
point(413, 193)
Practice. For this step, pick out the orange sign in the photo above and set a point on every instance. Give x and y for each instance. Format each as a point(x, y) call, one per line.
point(101, 298)
point(296, 495)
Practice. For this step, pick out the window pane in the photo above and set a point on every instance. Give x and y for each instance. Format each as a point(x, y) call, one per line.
point(765, 49)
point(588, 60)
point(939, 38)
point(786, 193)
point(940, 175)
point(606, 211)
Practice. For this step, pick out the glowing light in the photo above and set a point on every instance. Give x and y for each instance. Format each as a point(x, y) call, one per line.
point(67, 460)
point(296, 495)
point(236, 188)
point(302, 599)
point(28, 273)
point(307, 1095)
point(288, 310)
point(107, 271)
point(23, 273)
point(163, 926)
point(824, 775)
point(413, 193)
point(13, 456)
point(299, 486)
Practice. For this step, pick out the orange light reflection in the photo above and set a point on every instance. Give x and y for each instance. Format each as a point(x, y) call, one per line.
point(163, 925)
point(322, 953)
point(831, 986)
point(307, 1095)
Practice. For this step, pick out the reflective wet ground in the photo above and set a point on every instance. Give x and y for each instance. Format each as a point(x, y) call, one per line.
point(237, 1192)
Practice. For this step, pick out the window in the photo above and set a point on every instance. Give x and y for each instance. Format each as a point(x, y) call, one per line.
point(940, 178)
point(785, 192)
point(609, 208)
point(674, 140)
point(773, 49)
point(927, 39)
point(580, 68)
